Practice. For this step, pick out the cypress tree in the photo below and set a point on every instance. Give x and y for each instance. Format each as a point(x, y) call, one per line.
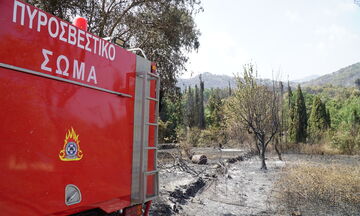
point(282, 125)
point(214, 107)
point(294, 122)
point(190, 120)
point(357, 83)
point(318, 119)
point(196, 107)
point(293, 118)
point(323, 114)
point(290, 95)
point(230, 93)
point(201, 106)
point(328, 118)
point(302, 116)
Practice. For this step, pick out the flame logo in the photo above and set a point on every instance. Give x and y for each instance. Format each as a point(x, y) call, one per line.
point(71, 150)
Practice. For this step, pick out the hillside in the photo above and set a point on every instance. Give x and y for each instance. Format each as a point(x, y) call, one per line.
point(306, 79)
point(217, 81)
point(344, 77)
point(210, 81)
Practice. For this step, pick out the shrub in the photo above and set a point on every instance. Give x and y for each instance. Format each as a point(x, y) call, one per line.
point(323, 146)
point(347, 140)
point(163, 131)
point(212, 137)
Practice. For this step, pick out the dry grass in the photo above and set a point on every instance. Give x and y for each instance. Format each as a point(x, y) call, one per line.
point(317, 149)
point(306, 148)
point(335, 188)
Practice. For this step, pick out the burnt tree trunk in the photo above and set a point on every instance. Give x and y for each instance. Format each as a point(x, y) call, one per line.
point(257, 146)
point(262, 151)
point(263, 164)
point(277, 149)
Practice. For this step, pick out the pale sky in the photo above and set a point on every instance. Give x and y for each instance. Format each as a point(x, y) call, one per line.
point(298, 38)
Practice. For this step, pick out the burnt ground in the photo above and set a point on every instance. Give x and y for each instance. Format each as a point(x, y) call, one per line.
point(231, 183)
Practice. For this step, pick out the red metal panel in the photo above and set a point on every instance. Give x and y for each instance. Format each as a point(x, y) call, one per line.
point(56, 47)
point(37, 112)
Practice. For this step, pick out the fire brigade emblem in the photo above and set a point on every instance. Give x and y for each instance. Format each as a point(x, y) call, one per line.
point(71, 150)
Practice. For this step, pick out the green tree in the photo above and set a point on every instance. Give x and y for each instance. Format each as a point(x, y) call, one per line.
point(297, 116)
point(355, 117)
point(293, 118)
point(357, 83)
point(189, 107)
point(214, 108)
point(328, 118)
point(282, 126)
point(256, 108)
point(290, 95)
point(171, 118)
point(64, 9)
point(318, 120)
point(347, 138)
point(301, 116)
point(201, 106)
point(229, 88)
point(197, 106)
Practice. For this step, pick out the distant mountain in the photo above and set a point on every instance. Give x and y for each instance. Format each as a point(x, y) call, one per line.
point(344, 77)
point(215, 81)
point(306, 79)
point(210, 81)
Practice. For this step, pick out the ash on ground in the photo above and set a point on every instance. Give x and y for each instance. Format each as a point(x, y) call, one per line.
point(230, 184)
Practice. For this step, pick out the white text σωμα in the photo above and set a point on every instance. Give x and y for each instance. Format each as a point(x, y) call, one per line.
point(64, 67)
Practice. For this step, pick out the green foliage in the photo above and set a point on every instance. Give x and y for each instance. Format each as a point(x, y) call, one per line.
point(189, 108)
point(201, 105)
point(255, 108)
point(341, 106)
point(319, 119)
point(192, 136)
point(343, 77)
point(297, 116)
point(347, 140)
point(193, 107)
point(291, 114)
point(195, 137)
point(213, 136)
point(290, 95)
point(214, 107)
point(170, 118)
point(357, 83)
point(293, 121)
point(301, 133)
point(63, 9)
point(196, 113)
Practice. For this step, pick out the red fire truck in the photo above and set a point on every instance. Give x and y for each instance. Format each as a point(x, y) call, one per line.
point(78, 119)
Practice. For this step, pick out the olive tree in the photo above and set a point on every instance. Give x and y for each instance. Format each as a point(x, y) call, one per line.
point(256, 108)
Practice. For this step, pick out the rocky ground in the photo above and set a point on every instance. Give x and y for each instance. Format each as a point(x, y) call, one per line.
point(231, 183)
